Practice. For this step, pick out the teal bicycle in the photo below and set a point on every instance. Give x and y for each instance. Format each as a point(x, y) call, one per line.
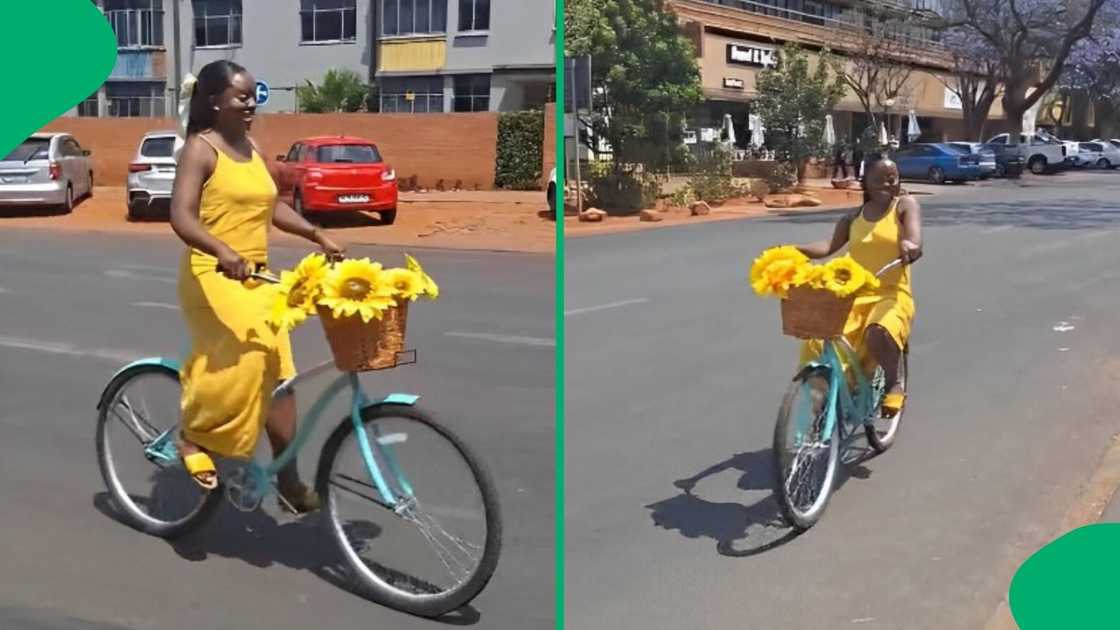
point(821, 414)
point(412, 509)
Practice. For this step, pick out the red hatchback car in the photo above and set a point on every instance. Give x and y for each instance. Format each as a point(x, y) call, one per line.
point(338, 173)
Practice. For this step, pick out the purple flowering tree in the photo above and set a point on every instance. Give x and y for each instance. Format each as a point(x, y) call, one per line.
point(1093, 67)
point(1031, 40)
point(975, 78)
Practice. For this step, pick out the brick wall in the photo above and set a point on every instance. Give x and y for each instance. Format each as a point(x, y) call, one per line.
point(431, 147)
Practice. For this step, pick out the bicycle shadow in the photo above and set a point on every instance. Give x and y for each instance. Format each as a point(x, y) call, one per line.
point(262, 540)
point(742, 530)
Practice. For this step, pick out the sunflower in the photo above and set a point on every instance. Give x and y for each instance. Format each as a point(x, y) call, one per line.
point(848, 277)
point(405, 283)
point(430, 288)
point(357, 287)
point(777, 269)
point(814, 276)
point(298, 291)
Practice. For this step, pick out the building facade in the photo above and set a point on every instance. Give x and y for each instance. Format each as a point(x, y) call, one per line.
point(423, 55)
point(736, 39)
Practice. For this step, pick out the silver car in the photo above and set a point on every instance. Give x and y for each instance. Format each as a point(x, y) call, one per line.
point(1110, 153)
point(150, 176)
point(46, 169)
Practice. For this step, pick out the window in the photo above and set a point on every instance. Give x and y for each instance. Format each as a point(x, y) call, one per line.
point(217, 22)
point(137, 23)
point(413, 17)
point(293, 155)
point(88, 107)
point(415, 95)
point(474, 15)
point(328, 20)
point(32, 148)
point(159, 147)
point(136, 100)
point(472, 93)
point(71, 148)
point(348, 153)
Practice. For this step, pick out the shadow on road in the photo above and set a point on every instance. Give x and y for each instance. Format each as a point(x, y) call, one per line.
point(1051, 214)
point(259, 539)
point(742, 530)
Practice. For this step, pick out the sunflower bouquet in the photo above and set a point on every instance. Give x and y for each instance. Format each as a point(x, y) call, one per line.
point(362, 305)
point(816, 298)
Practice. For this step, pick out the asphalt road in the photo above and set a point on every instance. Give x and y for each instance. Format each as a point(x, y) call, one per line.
point(75, 307)
point(676, 371)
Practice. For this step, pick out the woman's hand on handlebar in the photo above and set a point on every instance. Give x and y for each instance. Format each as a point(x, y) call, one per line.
point(334, 251)
point(233, 266)
point(909, 251)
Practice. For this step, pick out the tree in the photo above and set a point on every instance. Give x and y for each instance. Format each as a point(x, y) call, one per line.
point(340, 91)
point(1031, 40)
point(975, 78)
point(878, 70)
point(793, 101)
point(1093, 67)
point(644, 75)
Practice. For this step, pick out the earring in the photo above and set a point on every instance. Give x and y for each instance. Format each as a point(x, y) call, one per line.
point(216, 108)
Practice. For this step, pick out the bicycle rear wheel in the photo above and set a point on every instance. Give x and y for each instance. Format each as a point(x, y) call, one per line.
point(434, 551)
point(806, 459)
point(881, 432)
point(136, 429)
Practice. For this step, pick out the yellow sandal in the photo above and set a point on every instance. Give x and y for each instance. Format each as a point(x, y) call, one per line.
point(893, 404)
point(199, 465)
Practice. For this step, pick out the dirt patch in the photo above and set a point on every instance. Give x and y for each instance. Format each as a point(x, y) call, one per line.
point(831, 199)
point(499, 221)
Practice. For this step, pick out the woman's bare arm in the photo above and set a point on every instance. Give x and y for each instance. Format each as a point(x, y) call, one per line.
point(910, 241)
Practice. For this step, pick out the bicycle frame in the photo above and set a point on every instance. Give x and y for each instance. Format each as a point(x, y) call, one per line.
point(842, 404)
point(163, 448)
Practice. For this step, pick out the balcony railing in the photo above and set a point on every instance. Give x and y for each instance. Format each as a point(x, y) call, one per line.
point(137, 28)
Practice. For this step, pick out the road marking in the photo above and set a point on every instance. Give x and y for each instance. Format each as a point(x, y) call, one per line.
point(165, 305)
point(125, 274)
point(524, 341)
point(603, 307)
point(52, 347)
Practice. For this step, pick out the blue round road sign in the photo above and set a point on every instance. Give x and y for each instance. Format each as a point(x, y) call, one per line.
point(262, 92)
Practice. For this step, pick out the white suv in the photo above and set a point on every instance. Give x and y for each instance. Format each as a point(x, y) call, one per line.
point(151, 175)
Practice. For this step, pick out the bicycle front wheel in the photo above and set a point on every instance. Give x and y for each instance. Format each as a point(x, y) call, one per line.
point(806, 458)
point(136, 430)
point(433, 550)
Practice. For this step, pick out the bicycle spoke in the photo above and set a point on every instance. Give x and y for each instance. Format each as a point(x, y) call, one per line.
point(429, 527)
point(134, 423)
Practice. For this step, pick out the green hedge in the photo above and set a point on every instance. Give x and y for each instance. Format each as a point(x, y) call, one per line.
point(520, 140)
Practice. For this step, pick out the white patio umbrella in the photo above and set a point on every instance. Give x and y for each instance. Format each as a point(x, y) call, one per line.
point(829, 131)
point(914, 131)
point(729, 129)
point(1030, 117)
point(883, 138)
point(758, 133)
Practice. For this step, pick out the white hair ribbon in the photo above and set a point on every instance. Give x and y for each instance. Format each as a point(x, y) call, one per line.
point(186, 91)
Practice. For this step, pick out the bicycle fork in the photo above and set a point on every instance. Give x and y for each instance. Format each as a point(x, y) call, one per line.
point(379, 448)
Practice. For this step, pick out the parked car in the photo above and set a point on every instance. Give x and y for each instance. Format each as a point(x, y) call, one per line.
point(1010, 162)
point(987, 156)
point(1088, 154)
point(1110, 153)
point(1042, 152)
point(937, 163)
point(150, 176)
point(550, 194)
point(46, 169)
point(338, 173)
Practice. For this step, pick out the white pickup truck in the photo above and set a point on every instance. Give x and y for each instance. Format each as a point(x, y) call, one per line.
point(1042, 152)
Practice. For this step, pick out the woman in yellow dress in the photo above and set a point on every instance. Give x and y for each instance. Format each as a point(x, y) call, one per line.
point(223, 202)
point(887, 227)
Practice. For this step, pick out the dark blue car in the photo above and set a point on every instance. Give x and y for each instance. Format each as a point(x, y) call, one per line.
point(937, 163)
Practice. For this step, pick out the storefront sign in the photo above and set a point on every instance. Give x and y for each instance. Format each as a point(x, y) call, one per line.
point(952, 100)
point(751, 56)
point(733, 83)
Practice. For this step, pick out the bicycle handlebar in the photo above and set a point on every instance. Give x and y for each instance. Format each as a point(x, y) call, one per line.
point(891, 265)
point(259, 274)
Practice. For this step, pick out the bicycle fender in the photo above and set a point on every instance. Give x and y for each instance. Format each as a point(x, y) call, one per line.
point(170, 364)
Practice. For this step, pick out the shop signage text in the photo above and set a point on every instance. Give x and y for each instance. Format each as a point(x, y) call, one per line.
point(751, 56)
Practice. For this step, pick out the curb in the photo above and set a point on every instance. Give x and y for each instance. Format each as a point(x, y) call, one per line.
point(1086, 510)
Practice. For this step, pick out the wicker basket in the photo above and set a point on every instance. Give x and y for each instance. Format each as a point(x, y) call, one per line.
point(814, 313)
point(362, 347)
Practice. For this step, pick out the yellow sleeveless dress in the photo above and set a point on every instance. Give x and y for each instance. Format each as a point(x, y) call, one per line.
point(237, 358)
point(873, 246)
